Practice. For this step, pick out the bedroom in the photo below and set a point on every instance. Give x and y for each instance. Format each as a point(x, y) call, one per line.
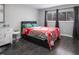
point(15, 14)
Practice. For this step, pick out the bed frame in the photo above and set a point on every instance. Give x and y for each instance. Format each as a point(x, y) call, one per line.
point(34, 40)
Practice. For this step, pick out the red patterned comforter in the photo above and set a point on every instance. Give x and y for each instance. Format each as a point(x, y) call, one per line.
point(43, 33)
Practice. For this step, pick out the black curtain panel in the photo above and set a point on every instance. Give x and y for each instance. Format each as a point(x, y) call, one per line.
point(57, 21)
point(45, 22)
point(76, 23)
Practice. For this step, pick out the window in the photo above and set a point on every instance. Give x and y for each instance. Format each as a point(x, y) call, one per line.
point(63, 15)
point(51, 16)
point(70, 15)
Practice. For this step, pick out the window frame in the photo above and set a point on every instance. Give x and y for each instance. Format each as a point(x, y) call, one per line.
point(63, 10)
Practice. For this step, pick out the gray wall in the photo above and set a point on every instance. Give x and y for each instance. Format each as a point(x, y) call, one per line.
point(15, 13)
point(41, 15)
point(66, 27)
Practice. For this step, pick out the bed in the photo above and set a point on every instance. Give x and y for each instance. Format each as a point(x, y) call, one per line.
point(44, 36)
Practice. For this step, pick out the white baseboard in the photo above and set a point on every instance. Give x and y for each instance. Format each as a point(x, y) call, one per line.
point(66, 35)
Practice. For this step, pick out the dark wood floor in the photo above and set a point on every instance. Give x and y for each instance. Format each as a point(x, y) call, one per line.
point(64, 46)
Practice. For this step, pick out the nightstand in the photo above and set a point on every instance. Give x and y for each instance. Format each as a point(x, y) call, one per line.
point(16, 36)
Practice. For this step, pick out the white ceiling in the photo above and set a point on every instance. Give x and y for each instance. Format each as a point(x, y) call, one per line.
point(41, 6)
